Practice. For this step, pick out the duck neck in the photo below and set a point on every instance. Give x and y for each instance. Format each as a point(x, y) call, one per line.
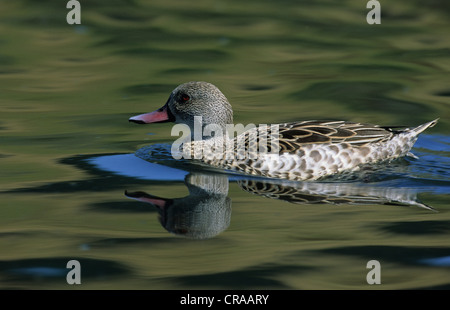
point(207, 131)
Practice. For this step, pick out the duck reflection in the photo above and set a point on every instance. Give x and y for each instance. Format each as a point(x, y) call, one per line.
point(206, 211)
point(332, 193)
point(203, 214)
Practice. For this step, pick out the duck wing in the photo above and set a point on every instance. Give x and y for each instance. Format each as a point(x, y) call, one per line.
point(294, 135)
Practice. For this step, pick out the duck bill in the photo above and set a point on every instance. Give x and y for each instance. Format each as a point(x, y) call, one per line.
point(161, 203)
point(161, 115)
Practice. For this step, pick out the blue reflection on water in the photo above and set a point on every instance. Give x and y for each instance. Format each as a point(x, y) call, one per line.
point(438, 261)
point(39, 271)
point(132, 166)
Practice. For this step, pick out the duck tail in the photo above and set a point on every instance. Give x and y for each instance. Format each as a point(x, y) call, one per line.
point(417, 130)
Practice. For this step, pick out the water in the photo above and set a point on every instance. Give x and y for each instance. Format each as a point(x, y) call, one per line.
point(72, 189)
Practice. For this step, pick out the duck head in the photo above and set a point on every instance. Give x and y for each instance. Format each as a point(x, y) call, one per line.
point(189, 100)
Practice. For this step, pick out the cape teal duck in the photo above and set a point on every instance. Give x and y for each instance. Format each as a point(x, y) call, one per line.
point(304, 150)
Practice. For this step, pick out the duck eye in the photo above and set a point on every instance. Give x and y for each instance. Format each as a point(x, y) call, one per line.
point(185, 97)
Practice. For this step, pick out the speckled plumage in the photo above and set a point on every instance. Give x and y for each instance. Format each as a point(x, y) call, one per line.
point(310, 150)
point(306, 150)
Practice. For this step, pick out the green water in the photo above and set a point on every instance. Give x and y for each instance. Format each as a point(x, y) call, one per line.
point(67, 91)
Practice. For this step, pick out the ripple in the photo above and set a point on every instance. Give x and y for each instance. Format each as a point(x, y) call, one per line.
point(363, 97)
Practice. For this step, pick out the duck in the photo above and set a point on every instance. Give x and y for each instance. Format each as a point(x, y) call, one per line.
point(300, 151)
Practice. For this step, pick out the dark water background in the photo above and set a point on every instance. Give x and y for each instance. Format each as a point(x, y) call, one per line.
point(66, 146)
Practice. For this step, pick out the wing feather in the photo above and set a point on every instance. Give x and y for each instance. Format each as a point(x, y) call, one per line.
point(292, 136)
